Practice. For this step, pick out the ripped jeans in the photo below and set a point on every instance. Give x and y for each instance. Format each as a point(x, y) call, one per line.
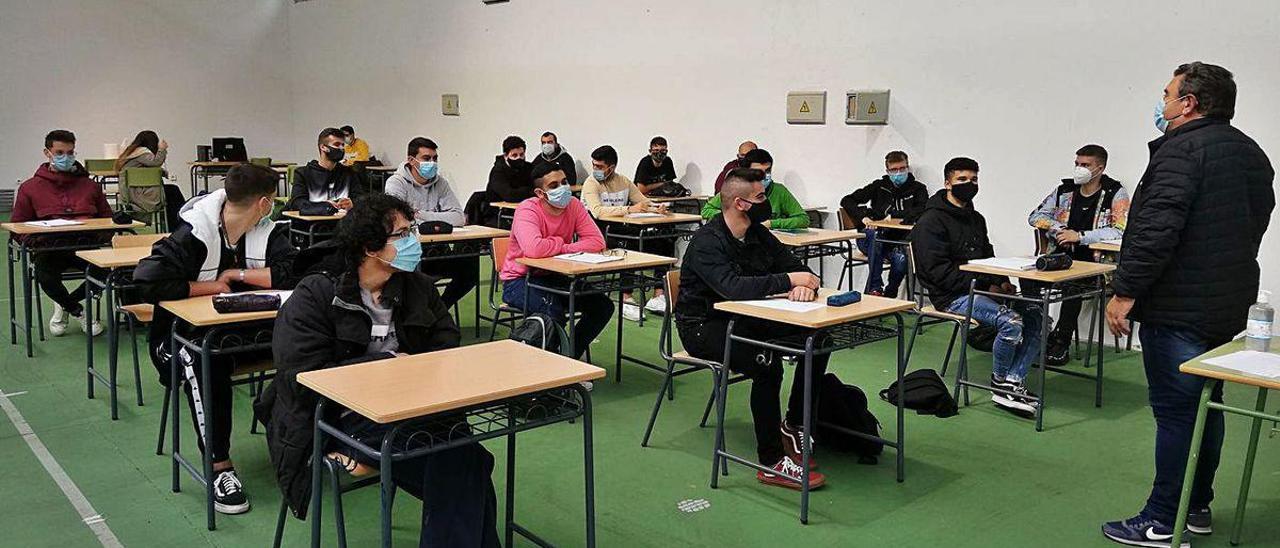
point(1018, 332)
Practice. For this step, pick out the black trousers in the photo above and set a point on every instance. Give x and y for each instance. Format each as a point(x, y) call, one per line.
point(665, 247)
point(1068, 312)
point(49, 267)
point(459, 507)
point(705, 340)
point(463, 274)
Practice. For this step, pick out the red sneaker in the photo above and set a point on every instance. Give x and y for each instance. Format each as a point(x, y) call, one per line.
point(792, 444)
point(789, 467)
point(876, 292)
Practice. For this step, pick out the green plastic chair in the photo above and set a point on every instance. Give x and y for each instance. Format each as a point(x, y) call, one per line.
point(135, 178)
point(264, 162)
point(100, 165)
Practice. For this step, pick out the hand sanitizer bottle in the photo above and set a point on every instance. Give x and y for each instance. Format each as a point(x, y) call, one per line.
point(1261, 316)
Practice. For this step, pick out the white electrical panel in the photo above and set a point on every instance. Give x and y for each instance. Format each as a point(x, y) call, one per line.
point(807, 107)
point(867, 107)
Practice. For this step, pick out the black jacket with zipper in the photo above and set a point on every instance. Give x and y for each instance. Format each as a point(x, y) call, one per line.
point(561, 159)
point(313, 178)
point(718, 267)
point(507, 183)
point(1190, 250)
point(944, 238)
point(323, 325)
point(881, 199)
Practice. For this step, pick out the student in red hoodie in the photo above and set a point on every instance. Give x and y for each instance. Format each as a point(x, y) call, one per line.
point(60, 189)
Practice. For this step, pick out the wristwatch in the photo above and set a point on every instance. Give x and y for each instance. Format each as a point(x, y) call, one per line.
point(241, 275)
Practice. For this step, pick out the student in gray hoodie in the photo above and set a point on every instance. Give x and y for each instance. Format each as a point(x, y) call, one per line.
point(418, 182)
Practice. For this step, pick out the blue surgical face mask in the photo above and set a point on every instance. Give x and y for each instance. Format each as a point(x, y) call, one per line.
point(63, 162)
point(408, 253)
point(560, 196)
point(427, 170)
point(1162, 123)
point(898, 178)
point(598, 175)
point(768, 179)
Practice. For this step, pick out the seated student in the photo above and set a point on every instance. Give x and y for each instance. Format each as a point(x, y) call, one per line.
point(149, 150)
point(326, 179)
point(552, 152)
point(951, 233)
point(743, 149)
point(1085, 209)
point(225, 243)
point(656, 169)
point(419, 182)
point(733, 257)
point(355, 149)
point(898, 195)
point(549, 224)
point(378, 307)
point(60, 189)
point(787, 213)
point(609, 193)
point(508, 178)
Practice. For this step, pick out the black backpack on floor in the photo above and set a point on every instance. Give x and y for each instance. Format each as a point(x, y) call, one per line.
point(846, 405)
point(924, 391)
point(541, 331)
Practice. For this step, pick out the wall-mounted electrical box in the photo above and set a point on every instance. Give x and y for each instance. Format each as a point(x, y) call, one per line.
point(807, 107)
point(449, 104)
point(867, 107)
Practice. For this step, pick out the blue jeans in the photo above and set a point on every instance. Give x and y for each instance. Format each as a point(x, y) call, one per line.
point(1018, 331)
point(1175, 398)
point(596, 309)
point(897, 256)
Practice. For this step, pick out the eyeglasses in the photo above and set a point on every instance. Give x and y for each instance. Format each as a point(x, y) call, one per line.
point(615, 252)
point(412, 230)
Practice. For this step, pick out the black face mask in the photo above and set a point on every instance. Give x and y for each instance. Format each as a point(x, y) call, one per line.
point(659, 156)
point(760, 212)
point(964, 192)
point(335, 154)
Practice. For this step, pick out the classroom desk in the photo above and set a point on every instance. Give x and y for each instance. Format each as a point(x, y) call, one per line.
point(685, 204)
point(1108, 247)
point(118, 262)
point(816, 243)
point(20, 250)
point(469, 241)
point(506, 212)
point(199, 312)
point(890, 223)
point(201, 171)
point(600, 279)
point(1084, 280)
point(1216, 375)
point(314, 228)
point(642, 229)
point(831, 328)
point(429, 393)
point(378, 176)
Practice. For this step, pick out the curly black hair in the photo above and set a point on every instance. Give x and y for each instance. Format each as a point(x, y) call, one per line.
point(368, 224)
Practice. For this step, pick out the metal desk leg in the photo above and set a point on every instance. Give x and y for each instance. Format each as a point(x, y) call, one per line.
point(1040, 352)
point(1247, 477)
point(175, 393)
point(193, 181)
point(617, 364)
point(113, 336)
point(962, 370)
point(88, 315)
point(387, 486)
point(27, 286)
point(13, 302)
point(510, 530)
point(902, 369)
point(806, 449)
point(1193, 458)
point(721, 385)
point(573, 330)
point(1102, 336)
point(206, 363)
point(588, 466)
point(317, 486)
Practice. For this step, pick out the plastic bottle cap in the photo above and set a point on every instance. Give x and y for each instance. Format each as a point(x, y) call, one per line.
point(1264, 296)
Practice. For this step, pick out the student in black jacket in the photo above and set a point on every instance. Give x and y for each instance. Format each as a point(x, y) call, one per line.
point(898, 195)
point(951, 233)
point(553, 153)
point(226, 242)
point(509, 178)
point(655, 169)
point(326, 179)
point(733, 257)
point(379, 307)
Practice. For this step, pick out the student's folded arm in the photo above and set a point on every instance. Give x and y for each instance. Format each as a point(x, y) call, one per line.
point(281, 256)
point(591, 199)
point(793, 215)
point(637, 197)
point(166, 274)
point(23, 211)
point(725, 279)
point(590, 239)
point(1042, 216)
point(153, 160)
point(853, 207)
point(929, 244)
point(1152, 235)
point(711, 208)
point(783, 258)
point(450, 208)
point(527, 233)
point(1099, 234)
point(298, 194)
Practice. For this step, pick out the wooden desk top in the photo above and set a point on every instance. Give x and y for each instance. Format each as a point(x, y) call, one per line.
point(472, 232)
point(668, 219)
point(407, 387)
point(1078, 270)
point(381, 168)
point(87, 225)
point(634, 260)
point(692, 198)
point(815, 236)
point(1197, 366)
point(293, 214)
point(889, 223)
point(870, 306)
point(505, 205)
point(199, 312)
point(104, 173)
point(233, 164)
point(115, 257)
point(819, 209)
point(1105, 246)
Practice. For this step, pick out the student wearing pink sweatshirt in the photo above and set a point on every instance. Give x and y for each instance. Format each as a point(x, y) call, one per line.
point(550, 223)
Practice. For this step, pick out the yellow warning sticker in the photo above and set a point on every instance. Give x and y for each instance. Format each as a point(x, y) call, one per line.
point(804, 106)
point(872, 109)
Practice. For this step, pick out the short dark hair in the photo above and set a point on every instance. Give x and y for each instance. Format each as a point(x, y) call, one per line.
point(757, 156)
point(1094, 151)
point(60, 136)
point(248, 182)
point(1213, 86)
point(745, 174)
point(421, 142)
point(541, 170)
point(328, 132)
point(367, 225)
point(348, 129)
point(512, 142)
point(551, 135)
point(606, 154)
point(959, 164)
point(895, 157)
point(659, 140)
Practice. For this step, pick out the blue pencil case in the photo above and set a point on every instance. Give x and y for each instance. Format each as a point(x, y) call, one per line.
point(844, 299)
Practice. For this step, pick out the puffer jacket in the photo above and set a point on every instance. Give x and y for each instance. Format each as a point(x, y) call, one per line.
point(944, 238)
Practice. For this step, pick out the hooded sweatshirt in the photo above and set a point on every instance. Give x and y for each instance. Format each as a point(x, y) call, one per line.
point(884, 199)
point(53, 194)
point(944, 238)
point(433, 201)
point(561, 158)
point(145, 198)
point(314, 183)
point(509, 183)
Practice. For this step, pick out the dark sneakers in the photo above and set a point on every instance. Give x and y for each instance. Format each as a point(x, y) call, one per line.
point(789, 467)
point(793, 444)
point(1200, 521)
point(1021, 402)
point(1141, 531)
point(228, 493)
point(1057, 350)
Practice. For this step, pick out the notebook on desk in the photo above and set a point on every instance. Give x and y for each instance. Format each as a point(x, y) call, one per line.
point(51, 223)
point(1007, 263)
point(589, 258)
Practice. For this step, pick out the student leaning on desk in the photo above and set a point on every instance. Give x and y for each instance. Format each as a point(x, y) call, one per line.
point(378, 307)
point(326, 179)
point(786, 211)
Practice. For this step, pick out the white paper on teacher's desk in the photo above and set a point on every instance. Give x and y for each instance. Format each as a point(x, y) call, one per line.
point(54, 223)
point(1262, 364)
point(786, 305)
point(1007, 263)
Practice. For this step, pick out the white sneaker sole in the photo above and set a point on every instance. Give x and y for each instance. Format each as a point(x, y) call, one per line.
point(1148, 543)
point(1200, 530)
point(1011, 404)
point(231, 509)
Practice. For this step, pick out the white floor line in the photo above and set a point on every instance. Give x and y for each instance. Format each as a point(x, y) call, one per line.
point(90, 516)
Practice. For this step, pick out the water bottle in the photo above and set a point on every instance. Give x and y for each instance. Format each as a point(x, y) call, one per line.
point(1261, 316)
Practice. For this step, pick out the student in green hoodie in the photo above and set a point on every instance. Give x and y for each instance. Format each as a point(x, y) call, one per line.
point(787, 211)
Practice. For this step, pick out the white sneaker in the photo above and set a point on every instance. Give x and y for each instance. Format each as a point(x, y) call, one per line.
point(95, 327)
point(631, 311)
point(657, 305)
point(58, 322)
point(588, 385)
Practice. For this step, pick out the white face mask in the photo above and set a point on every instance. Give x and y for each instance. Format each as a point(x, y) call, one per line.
point(548, 149)
point(1081, 175)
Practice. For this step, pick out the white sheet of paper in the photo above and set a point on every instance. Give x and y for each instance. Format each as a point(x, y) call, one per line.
point(643, 215)
point(462, 229)
point(786, 305)
point(589, 258)
point(54, 222)
point(1008, 263)
point(1263, 364)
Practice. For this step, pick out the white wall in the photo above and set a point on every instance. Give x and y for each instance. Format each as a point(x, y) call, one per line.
point(189, 69)
point(1016, 85)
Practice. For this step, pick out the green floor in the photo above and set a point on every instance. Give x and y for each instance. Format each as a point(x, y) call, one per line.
point(982, 479)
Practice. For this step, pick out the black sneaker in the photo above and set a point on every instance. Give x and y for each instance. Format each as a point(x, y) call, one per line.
point(1001, 383)
point(1141, 531)
point(1021, 402)
point(228, 493)
point(1057, 351)
point(1200, 521)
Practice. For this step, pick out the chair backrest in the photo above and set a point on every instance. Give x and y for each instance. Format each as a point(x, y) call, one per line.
point(100, 165)
point(846, 222)
point(499, 248)
point(673, 288)
point(265, 162)
point(141, 177)
point(288, 175)
point(1042, 241)
point(136, 240)
point(815, 218)
point(919, 293)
